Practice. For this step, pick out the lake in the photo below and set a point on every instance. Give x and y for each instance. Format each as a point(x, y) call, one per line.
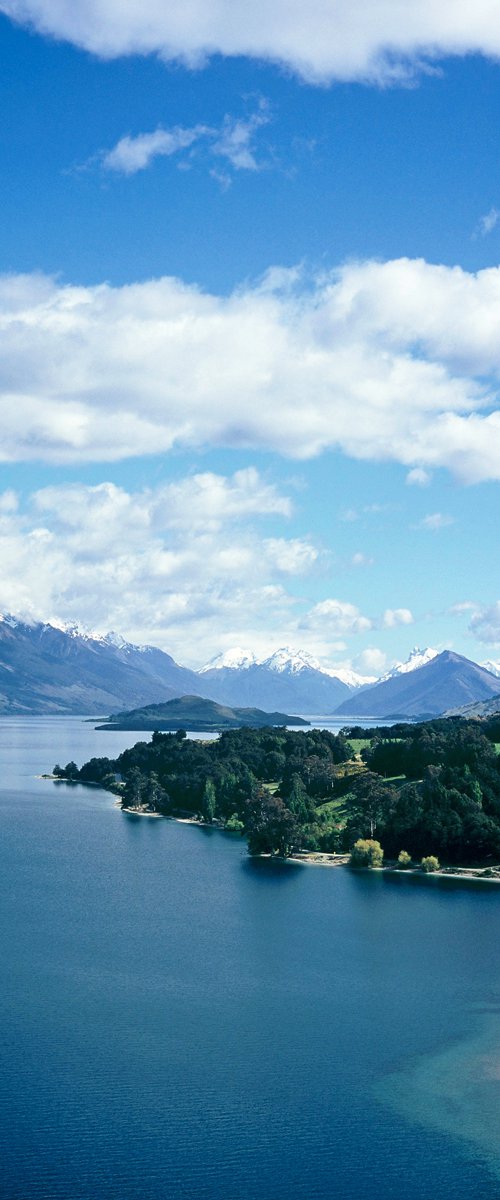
point(179, 1021)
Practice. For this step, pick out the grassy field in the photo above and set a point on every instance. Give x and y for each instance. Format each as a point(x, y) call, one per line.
point(358, 744)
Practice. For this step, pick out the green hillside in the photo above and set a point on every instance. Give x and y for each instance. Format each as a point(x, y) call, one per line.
point(197, 714)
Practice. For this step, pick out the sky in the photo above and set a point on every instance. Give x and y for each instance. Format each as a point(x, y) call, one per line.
point(250, 324)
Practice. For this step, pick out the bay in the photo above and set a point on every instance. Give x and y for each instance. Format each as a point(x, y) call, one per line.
point(177, 1020)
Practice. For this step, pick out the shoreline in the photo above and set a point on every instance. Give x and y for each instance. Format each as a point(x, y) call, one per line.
point(311, 858)
point(318, 858)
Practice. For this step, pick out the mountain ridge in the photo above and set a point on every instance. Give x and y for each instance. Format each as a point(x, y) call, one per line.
point(449, 680)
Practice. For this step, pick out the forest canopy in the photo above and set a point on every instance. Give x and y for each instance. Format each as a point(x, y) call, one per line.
point(427, 789)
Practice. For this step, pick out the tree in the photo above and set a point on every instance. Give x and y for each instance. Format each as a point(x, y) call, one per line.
point(404, 859)
point(370, 804)
point(366, 852)
point(208, 804)
point(234, 825)
point(430, 863)
point(135, 785)
point(270, 826)
point(154, 793)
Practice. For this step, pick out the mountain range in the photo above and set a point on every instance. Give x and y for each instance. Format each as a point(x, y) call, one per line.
point(46, 668)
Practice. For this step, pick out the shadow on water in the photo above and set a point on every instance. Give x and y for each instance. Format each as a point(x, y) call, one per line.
point(275, 869)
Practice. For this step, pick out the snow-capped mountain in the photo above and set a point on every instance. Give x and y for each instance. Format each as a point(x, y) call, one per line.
point(46, 668)
point(417, 658)
point(445, 681)
point(286, 660)
point(287, 679)
point(230, 660)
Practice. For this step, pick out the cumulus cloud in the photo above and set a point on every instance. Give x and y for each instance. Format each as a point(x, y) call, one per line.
point(485, 624)
point(397, 616)
point(102, 373)
point(337, 617)
point(177, 565)
point(186, 565)
point(378, 41)
point(371, 661)
point(233, 141)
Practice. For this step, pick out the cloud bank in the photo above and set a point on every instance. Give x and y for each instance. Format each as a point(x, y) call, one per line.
point(188, 565)
point(384, 361)
point(376, 41)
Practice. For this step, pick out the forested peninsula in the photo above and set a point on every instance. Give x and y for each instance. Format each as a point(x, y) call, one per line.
point(414, 793)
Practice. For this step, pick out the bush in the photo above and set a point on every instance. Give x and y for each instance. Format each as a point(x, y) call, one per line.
point(367, 853)
point(404, 859)
point(431, 863)
point(234, 825)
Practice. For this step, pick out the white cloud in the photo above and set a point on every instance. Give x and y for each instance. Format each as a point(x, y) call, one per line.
point(393, 617)
point(381, 41)
point(418, 477)
point(102, 373)
point(337, 618)
point(485, 624)
point(371, 661)
point(361, 560)
point(132, 154)
point(488, 222)
point(435, 521)
point(233, 141)
point(178, 565)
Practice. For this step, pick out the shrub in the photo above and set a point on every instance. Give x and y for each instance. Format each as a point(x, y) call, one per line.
point(233, 824)
point(431, 863)
point(404, 859)
point(367, 853)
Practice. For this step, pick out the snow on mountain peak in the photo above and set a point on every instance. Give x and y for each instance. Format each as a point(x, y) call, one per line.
point(294, 661)
point(417, 658)
point(233, 660)
point(351, 678)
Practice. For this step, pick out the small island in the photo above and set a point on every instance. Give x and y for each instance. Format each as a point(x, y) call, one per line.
point(198, 715)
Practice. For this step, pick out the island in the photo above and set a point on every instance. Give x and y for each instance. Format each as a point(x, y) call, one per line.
point(198, 715)
point(413, 795)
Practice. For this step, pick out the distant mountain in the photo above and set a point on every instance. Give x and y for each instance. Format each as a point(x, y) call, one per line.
point(192, 712)
point(417, 658)
point(288, 679)
point(447, 681)
point(46, 669)
point(480, 709)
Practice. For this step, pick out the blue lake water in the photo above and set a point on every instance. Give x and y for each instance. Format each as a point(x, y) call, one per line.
point(177, 1020)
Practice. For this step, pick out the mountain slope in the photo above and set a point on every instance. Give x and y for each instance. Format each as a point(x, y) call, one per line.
point(447, 681)
point(44, 669)
point(288, 679)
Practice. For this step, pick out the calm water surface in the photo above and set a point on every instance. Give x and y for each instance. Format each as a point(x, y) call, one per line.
point(179, 1021)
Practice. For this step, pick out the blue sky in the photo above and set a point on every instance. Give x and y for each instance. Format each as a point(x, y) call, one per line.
point(250, 324)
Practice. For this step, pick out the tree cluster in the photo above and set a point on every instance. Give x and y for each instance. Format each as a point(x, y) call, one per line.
point(432, 788)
